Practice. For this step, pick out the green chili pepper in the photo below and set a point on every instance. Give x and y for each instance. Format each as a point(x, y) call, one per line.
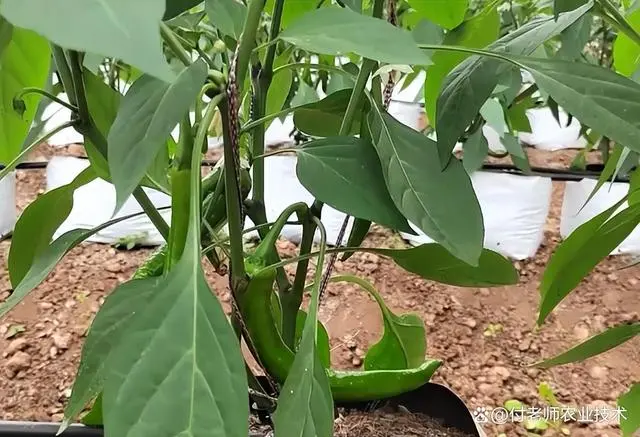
point(256, 307)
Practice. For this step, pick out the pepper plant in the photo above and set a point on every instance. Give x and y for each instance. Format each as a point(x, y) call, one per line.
point(161, 356)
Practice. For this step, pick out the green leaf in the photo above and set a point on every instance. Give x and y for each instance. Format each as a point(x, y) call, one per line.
point(518, 119)
point(324, 350)
point(574, 38)
point(202, 366)
point(427, 32)
point(48, 258)
point(446, 13)
point(475, 151)
point(107, 330)
point(345, 172)
point(94, 416)
point(585, 247)
point(38, 223)
point(324, 117)
point(470, 83)
point(607, 172)
point(403, 344)
point(630, 401)
point(227, 16)
point(517, 153)
point(477, 32)
point(626, 53)
point(148, 113)
point(104, 102)
point(493, 114)
point(25, 58)
point(323, 31)
point(279, 89)
point(128, 31)
point(6, 31)
point(305, 405)
point(601, 99)
point(423, 192)
point(292, 11)
point(177, 7)
point(359, 232)
point(433, 262)
point(595, 345)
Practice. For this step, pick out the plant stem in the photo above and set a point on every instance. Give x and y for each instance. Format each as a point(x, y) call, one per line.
point(78, 84)
point(248, 40)
point(173, 43)
point(48, 95)
point(64, 72)
point(234, 207)
point(149, 208)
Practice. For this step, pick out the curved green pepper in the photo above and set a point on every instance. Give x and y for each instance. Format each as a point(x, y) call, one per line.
point(255, 305)
point(277, 357)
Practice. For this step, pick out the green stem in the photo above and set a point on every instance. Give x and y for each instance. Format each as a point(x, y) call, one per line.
point(234, 206)
point(64, 72)
point(248, 40)
point(78, 84)
point(149, 208)
point(12, 165)
point(174, 44)
point(33, 90)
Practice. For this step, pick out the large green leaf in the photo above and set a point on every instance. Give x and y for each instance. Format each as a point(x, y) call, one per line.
point(25, 58)
point(324, 117)
point(38, 223)
point(323, 31)
point(626, 53)
point(601, 99)
point(104, 102)
point(176, 7)
point(403, 344)
point(446, 13)
point(477, 32)
point(433, 262)
point(105, 333)
point(149, 112)
point(441, 203)
point(323, 347)
point(585, 247)
point(227, 16)
point(121, 29)
point(630, 401)
point(305, 405)
point(596, 345)
point(280, 86)
point(180, 347)
point(470, 83)
point(345, 172)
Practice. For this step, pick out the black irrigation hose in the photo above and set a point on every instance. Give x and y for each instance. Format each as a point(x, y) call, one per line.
point(552, 173)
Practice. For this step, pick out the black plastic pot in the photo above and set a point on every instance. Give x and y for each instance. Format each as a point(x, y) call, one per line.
point(434, 400)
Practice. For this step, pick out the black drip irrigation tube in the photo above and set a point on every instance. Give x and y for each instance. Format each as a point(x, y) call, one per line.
point(593, 171)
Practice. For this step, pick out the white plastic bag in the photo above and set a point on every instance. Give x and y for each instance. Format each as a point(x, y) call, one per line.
point(7, 204)
point(282, 189)
point(94, 203)
point(575, 196)
point(514, 209)
point(547, 134)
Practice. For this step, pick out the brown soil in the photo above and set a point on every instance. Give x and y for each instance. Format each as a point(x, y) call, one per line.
point(485, 336)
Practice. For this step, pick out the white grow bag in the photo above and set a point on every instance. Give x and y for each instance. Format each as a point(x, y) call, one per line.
point(575, 196)
point(7, 204)
point(514, 209)
point(547, 134)
point(94, 203)
point(282, 188)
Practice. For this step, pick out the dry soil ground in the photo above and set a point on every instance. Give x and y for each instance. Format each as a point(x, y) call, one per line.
point(485, 336)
